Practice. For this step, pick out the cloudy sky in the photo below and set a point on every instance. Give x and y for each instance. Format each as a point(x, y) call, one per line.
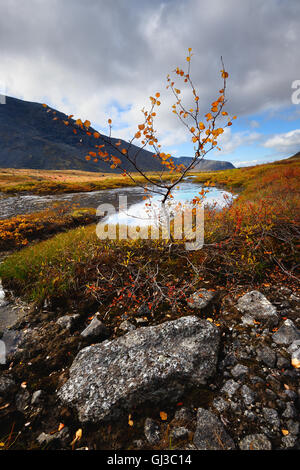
point(103, 58)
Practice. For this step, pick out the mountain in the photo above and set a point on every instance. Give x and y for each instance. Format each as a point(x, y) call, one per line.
point(31, 138)
point(207, 165)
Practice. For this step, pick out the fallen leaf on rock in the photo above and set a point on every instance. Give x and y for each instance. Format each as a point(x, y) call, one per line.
point(130, 422)
point(78, 436)
point(284, 432)
point(295, 363)
point(5, 406)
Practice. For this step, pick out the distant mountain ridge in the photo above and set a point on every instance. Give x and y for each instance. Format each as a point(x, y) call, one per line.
point(207, 165)
point(30, 138)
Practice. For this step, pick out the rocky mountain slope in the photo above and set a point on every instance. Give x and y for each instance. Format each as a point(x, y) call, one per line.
point(30, 138)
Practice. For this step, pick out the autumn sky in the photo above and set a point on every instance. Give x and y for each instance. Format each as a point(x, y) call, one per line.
point(104, 58)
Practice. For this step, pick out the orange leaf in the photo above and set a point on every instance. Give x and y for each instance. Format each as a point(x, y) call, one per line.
point(163, 416)
point(130, 422)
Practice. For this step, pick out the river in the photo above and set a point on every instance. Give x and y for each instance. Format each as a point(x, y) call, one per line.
point(28, 203)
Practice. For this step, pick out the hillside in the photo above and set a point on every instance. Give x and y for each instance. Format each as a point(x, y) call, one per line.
point(293, 157)
point(30, 138)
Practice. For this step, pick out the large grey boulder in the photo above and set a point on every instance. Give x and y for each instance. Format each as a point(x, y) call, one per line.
point(210, 433)
point(149, 364)
point(254, 304)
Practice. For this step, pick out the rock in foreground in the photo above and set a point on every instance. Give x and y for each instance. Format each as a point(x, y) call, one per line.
point(149, 364)
point(201, 299)
point(254, 304)
point(210, 433)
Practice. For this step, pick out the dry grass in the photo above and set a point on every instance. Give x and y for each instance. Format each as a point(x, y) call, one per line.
point(49, 181)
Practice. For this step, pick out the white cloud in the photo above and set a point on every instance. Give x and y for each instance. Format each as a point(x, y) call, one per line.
point(229, 141)
point(247, 163)
point(286, 143)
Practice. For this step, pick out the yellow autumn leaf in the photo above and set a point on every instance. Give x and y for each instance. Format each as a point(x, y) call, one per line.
point(130, 422)
point(78, 436)
point(295, 363)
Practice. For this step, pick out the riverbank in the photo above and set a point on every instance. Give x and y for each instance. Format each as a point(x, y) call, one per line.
point(14, 181)
point(21, 230)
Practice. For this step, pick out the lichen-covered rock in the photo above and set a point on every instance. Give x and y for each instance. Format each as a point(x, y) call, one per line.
point(248, 395)
point(96, 329)
point(149, 364)
point(230, 387)
point(179, 433)
point(287, 333)
point(271, 418)
point(152, 431)
point(67, 321)
point(7, 385)
point(266, 355)
point(201, 299)
point(255, 442)
point(239, 371)
point(256, 305)
point(210, 433)
point(126, 326)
